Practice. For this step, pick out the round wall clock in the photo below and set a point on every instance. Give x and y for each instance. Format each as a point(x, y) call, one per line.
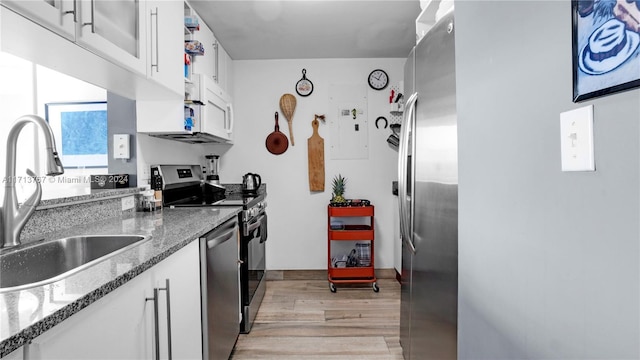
point(378, 79)
point(304, 87)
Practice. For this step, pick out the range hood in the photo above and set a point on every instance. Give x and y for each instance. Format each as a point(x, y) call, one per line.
point(192, 138)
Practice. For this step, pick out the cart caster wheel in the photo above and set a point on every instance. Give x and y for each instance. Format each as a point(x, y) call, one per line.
point(375, 287)
point(332, 287)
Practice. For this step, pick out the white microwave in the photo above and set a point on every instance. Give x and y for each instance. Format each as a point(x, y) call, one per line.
point(210, 114)
point(216, 112)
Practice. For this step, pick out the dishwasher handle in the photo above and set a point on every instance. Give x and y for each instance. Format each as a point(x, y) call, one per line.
point(222, 234)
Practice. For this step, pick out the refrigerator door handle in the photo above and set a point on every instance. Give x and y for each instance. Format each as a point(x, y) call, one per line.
point(403, 167)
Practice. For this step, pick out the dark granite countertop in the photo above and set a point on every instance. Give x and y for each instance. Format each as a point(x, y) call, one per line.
point(27, 313)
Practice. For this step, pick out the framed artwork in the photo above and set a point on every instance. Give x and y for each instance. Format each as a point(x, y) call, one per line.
point(606, 36)
point(80, 130)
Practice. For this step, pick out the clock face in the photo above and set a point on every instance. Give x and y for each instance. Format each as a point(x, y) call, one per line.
point(378, 79)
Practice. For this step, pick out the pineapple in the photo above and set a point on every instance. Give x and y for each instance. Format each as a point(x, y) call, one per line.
point(338, 184)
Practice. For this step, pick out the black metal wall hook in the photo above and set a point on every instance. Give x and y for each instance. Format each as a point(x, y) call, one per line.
point(386, 123)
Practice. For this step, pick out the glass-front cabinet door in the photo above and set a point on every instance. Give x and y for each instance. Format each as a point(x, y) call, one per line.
point(115, 29)
point(58, 16)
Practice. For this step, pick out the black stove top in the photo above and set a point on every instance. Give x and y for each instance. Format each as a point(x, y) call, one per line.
point(183, 186)
point(234, 199)
point(241, 200)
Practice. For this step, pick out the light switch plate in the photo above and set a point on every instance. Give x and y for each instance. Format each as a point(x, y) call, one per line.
point(576, 139)
point(121, 147)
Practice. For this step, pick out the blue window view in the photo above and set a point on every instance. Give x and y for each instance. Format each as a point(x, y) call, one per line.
point(84, 132)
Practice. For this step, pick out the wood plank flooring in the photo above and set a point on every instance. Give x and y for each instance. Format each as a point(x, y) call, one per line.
point(303, 319)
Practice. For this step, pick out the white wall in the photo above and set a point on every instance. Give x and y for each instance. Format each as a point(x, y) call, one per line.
point(298, 217)
point(549, 261)
point(151, 150)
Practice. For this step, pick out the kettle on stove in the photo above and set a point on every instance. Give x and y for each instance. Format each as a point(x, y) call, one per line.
point(251, 183)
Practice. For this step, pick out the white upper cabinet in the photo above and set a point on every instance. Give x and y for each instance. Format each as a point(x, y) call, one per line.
point(116, 30)
point(215, 62)
point(205, 64)
point(165, 63)
point(58, 16)
point(224, 69)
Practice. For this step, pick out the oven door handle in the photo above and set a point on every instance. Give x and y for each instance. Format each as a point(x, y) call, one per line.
point(256, 224)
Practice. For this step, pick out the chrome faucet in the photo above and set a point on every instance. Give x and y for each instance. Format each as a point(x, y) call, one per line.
point(14, 217)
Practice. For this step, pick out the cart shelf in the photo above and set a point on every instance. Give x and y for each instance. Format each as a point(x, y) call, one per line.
point(357, 232)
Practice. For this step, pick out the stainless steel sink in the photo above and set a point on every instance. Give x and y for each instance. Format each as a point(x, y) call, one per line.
point(36, 264)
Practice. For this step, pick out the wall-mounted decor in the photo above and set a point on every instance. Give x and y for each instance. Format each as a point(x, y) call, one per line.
point(378, 79)
point(80, 130)
point(304, 86)
point(606, 36)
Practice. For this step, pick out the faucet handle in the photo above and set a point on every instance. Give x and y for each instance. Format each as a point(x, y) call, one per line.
point(34, 199)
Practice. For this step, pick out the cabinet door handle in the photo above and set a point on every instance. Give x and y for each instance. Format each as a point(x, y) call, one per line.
point(74, 12)
point(156, 65)
point(168, 293)
point(215, 48)
point(155, 321)
point(93, 26)
point(230, 117)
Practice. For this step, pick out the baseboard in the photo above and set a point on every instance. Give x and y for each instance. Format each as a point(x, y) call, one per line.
point(398, 276)
point(275, 275)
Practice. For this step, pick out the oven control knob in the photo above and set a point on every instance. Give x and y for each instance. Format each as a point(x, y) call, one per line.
point(254, 211)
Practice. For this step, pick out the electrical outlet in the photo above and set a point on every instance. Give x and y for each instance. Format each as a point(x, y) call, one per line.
point(128, 203)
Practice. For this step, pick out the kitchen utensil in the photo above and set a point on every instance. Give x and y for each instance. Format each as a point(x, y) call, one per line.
point(250, 183)
point(288, 107)
point(277, 142)
point(394, 140)
point(315, 145)
point(395, 128)
point(304, 86)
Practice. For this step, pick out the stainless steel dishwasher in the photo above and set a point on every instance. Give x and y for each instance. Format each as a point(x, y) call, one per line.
point(220, 277)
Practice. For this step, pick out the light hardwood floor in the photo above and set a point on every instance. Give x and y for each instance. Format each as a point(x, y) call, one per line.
point(303, 319)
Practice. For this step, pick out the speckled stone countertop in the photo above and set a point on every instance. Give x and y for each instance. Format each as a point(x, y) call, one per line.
point(25, 314)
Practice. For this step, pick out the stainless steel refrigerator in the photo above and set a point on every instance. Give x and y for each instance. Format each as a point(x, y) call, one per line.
point(428, 198)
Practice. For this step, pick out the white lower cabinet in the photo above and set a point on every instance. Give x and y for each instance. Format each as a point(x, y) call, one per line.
point(121, 325)
point(183, 271)
point(115, 327)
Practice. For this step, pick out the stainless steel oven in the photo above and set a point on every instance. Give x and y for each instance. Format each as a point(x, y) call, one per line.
point(252, 268)
point(184, 185)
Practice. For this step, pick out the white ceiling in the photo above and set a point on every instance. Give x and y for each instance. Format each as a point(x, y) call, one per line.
point(309, 29)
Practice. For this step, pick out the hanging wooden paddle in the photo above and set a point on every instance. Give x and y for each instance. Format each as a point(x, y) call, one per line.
point(315, 149)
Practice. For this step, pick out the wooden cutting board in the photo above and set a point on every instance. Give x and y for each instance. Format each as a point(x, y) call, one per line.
point(315, 146)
